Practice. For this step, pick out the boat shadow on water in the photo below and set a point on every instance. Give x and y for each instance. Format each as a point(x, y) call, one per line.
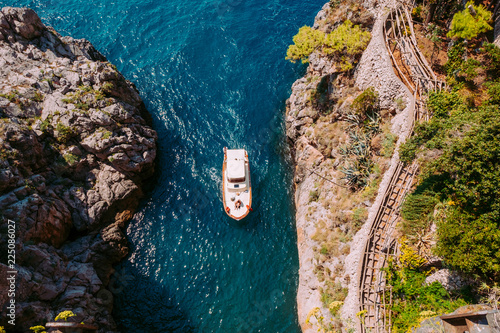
point(249, 222)
point(142, 304)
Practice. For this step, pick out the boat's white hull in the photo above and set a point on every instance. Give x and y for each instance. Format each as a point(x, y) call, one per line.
point(233, 197)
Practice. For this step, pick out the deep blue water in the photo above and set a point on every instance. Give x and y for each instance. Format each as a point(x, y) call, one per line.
point(213, 74)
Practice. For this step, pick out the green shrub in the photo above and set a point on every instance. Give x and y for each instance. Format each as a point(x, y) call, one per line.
point(455, 58)
point(85, 89)
point(38, 329)
point(313, 195)
point(107, 87)
point(65, 315)
point(465, 25)
point(346, 43)
point(107, 134)
point(365, 102)
point(469, 234)
point(99, 95)
point(370, 191)
point(493, 89)
point(64, 133)
point(306, 41)
point(466, 176)
point(469, 68)
point(400, 103)
point(411, 297)
point(441, 103)
point(388, 144)
point(82, 105)
point(38, 97)
point(420, 204)
point(70, 158)
point(470, 241)
point(359, 216)
point(333, 292)
point(408, 150)
point(44, 126)
point(416, 13)
point(12, 96)
point(417, 212)
point(492, 59)
point(423, 134)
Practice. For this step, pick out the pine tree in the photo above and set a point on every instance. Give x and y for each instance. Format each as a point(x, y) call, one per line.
point(344, 45)
point(306, 41)
point(470, 22)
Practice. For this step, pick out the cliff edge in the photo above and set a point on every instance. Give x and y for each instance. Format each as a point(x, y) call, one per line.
point(326, 133)
point(75, 148)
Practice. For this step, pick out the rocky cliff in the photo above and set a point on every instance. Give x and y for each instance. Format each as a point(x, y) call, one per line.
point(75, 148)
point(332, 217)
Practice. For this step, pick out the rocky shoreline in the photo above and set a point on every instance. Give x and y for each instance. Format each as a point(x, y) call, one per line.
point(322, 207)
point(76, 146)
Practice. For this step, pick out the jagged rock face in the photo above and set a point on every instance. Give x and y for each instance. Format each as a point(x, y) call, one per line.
point(74, 150)
point(303, 119)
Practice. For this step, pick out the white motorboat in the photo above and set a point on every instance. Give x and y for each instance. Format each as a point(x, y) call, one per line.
point(236, 185)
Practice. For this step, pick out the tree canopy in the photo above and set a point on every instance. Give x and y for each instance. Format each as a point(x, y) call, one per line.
point(344, 44)
point(305, 42)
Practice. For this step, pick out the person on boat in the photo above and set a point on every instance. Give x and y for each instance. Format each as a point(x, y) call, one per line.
point(238, 204)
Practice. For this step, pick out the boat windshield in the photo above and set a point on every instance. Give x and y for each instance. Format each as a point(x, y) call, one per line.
point(237, 180)
point(236, 171)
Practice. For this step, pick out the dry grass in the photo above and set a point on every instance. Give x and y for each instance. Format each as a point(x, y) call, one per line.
point(435, 56)
point(329, 135)
point(339, 11)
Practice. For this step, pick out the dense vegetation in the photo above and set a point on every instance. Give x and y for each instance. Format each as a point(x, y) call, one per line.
point(459, 151)
point(413, 299)
point(459, 183)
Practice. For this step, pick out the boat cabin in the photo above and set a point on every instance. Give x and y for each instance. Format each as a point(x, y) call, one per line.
point(236, 170)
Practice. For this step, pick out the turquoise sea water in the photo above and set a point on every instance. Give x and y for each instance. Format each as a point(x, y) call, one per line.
point(212, 73)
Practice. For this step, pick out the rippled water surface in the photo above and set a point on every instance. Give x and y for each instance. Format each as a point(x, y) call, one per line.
point(213, 74)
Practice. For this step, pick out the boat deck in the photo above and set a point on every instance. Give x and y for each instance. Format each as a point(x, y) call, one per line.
point(237, 192)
